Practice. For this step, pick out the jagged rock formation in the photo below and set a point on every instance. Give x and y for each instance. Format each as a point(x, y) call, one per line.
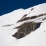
point(32, 17)
point(25, 29)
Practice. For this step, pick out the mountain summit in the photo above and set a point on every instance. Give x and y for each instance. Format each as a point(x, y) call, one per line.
point(24, 27)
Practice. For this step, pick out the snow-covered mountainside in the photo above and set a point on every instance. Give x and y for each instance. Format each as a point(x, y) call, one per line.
point(9, 21)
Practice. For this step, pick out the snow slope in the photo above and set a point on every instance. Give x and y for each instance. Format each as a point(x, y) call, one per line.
point(9, 21)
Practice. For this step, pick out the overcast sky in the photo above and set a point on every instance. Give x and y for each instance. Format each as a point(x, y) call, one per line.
point(7, 6)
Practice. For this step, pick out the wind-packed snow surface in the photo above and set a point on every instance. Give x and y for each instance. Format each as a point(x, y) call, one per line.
point(9, 21)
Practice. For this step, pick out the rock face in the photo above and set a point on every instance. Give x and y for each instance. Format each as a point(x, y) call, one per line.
point(32, 17)
point(31, 21)
point(25, 29)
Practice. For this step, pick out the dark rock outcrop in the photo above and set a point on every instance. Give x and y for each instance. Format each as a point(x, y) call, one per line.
point(25, 29)
point(32, 17)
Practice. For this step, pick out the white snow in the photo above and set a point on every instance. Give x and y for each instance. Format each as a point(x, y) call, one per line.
point(36, 38)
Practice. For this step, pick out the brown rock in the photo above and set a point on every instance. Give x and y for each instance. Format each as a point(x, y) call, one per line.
point(25, 29)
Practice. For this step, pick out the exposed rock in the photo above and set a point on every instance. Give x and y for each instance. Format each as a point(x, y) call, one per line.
point(27, 18)
point(7, 25)
point(25, 29)
point(32, 9)
point(32, 17)
point(24, 16)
